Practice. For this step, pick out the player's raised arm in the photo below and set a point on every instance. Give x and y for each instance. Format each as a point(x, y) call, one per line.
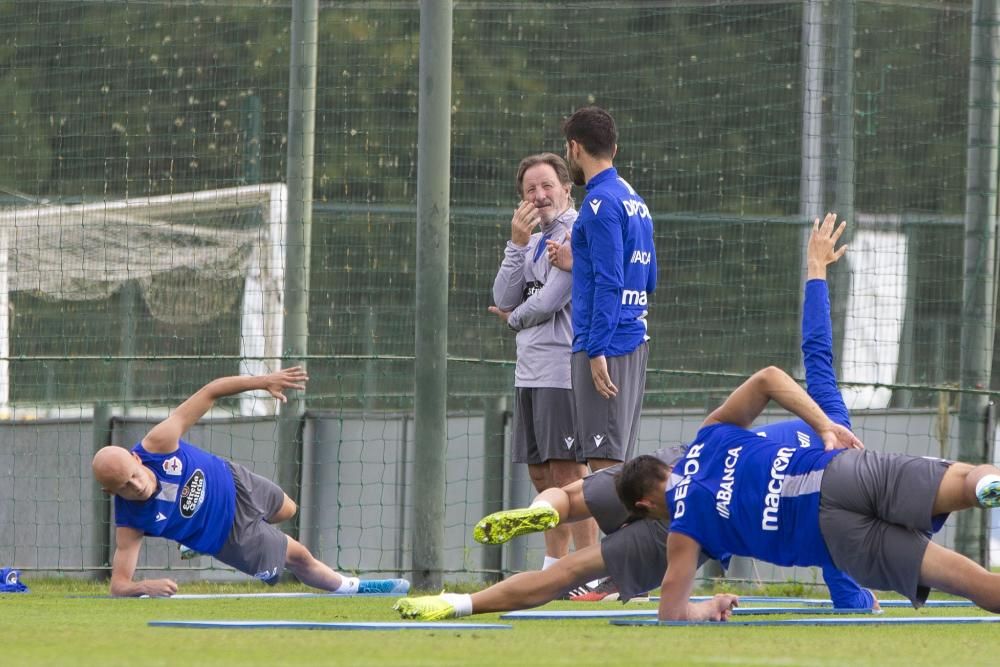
point(746, 403)
point(164, 436)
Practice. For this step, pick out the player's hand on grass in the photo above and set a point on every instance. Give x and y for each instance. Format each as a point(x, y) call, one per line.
point(287, 378)
point(724, 605)
point(719, 608)
point(159, 588)
point(560, 254)
point(837, 436)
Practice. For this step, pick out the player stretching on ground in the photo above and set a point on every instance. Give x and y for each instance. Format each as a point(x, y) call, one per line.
point(868, 513)
point(165, 487)
point(634, 554)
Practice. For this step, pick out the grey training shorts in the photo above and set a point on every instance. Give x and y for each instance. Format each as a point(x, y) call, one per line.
point(875, 517)
point(635, 555)
point(608, 428)
point(601, 496)
point(543, 425)
point(254, 546)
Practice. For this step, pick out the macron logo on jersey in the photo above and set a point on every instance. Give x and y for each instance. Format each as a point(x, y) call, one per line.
point(598, 439)
point(595, 205)
point(569, 442)
point(772, 501)
point(160, 516)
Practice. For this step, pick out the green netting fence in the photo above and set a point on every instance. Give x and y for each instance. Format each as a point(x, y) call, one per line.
point(108, 101)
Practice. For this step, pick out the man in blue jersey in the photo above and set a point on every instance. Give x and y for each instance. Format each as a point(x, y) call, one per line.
point(614, 274)
point(866, 513)
point(595, 495)
point(166, 487)
point(634, 551)
point(533, 298)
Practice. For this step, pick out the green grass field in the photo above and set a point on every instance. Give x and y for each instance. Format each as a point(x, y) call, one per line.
point(50, 626)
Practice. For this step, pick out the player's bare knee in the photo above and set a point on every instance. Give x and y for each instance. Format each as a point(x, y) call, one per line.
point(539, 476)
point(297, 556)
point(567, 472)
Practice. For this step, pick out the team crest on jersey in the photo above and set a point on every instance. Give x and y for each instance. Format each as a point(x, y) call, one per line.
point(173, 466)
point(193, 494)
point(595, 204)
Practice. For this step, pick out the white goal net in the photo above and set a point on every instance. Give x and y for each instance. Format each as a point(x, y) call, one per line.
point(178, 248)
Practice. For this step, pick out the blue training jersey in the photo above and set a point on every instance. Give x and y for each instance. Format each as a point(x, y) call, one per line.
point(195, 501)
point(739, 494)
point(614, 268)
point(821, 382)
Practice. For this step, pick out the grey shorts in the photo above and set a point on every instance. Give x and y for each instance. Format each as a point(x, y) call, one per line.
point(254, 546)
point(635, 556)
point(875, 517)
point(607, 429)
point(601, 496)
point(543, 425)
point(602, 499)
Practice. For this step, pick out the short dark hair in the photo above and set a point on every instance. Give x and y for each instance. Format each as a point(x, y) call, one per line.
point(637, 478)
point(551, 159)
point(594, 129)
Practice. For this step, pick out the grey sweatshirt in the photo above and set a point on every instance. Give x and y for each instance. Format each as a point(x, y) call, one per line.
point(537, 295)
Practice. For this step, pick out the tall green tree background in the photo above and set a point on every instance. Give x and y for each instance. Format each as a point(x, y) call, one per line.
point(104, 100)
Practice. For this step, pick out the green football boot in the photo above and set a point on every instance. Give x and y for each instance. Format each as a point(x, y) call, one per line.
point(426, 608)
point(505, 525)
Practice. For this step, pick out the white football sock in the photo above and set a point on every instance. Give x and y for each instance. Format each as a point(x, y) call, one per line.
point(548, 562)
point(541, 503)
point(461, 602)
point(348, 585)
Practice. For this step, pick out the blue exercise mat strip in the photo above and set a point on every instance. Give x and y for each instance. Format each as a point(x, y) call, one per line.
point(217, 596)
point(646, 613)
point(309, 625)
point(819, 602)
point(909, 620)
